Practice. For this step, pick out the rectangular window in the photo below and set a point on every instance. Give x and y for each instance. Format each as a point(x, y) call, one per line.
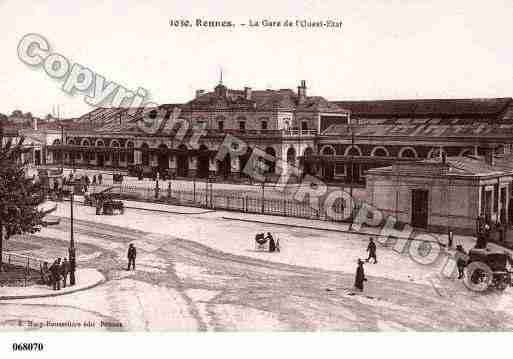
point(220, 125)
point(242, 125)
point(264, 125)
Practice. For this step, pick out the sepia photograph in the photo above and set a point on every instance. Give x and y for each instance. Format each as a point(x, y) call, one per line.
point(263, 169)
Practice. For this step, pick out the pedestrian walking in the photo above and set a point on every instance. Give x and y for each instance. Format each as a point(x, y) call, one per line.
point(360, 276)
point(94, 180)
point(371, 248)
point(132, 253)
point(461, 260)
point(100, 178)
point(99, 206)
point(55, 270)
point(87, 180)
point(64, 271)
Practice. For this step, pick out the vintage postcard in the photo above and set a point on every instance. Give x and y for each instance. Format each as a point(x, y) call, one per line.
point(273, 166)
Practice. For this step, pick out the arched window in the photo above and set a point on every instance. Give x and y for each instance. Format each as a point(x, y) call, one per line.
point(145, 154)
point(353, 151)
point(291, 156)
point(380, 152)
point(130, 147)
point(407, 152)
point(328, 151)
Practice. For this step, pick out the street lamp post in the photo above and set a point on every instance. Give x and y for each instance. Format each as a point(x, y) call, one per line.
point(263, 194)
point(62, 149)
point(351, 164)
point(157, 186)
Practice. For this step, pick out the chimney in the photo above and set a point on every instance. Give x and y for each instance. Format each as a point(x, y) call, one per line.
point(34, 123)
point(199, 93)
point(301, 92)
point(247, 93)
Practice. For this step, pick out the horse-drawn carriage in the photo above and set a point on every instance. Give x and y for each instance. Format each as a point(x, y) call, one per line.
point(489, 269)
point(104, 202)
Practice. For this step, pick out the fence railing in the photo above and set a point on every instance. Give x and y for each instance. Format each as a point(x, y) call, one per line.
point(267, 200)
point(25, 265)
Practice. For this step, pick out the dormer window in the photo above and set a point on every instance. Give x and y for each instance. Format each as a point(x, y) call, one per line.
point(220, 125)
point(242, 125)
point(264, 125)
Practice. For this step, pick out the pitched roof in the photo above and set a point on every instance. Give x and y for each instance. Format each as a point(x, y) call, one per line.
point(456, 128)
point(267, 100)
point(427, 107)
point(471, 166)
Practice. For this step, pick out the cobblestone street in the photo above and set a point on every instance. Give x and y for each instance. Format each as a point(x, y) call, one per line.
point(181, 284)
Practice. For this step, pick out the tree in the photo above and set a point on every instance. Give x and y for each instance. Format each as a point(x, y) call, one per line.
point(20, 196)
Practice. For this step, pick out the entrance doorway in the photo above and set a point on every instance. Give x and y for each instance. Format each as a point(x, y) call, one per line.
point(419, 208)
point(100, 159)
point(37, 157)
point(163, 161)
point(353, 173)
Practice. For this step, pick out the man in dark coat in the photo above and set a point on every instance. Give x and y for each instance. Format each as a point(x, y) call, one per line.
point(64, 272)
point(132, 253)
point(371, 248)
point(360, 276)
point(461, 260)
point(55, 269)
point(100, 178)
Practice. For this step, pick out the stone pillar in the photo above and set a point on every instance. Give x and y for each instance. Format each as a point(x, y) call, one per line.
point(137, 157)
point(193, 166)
point(153, 160)
point(172, 165)
point(212, 166)
point(235, 167)
point(49, 157)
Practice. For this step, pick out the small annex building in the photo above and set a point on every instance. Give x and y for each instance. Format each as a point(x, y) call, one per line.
point(443, 194)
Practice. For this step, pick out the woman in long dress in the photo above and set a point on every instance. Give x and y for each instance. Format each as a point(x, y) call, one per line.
point(360, 276)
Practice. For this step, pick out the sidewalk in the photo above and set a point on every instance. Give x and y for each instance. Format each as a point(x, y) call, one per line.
point(86, 278)
point(158, 207)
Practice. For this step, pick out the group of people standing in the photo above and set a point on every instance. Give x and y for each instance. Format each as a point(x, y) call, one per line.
point(58, 273)
point(85, 181)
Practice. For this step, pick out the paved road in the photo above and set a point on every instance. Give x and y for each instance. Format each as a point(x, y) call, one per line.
point(183, 285)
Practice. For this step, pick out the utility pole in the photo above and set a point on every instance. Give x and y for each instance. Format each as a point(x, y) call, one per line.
point(351, 164)
point(263, 195)
point(72, 251)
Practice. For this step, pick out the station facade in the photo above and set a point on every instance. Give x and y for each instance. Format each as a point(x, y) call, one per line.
point(338, 141)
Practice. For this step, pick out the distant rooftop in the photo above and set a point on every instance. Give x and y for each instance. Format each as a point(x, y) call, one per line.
point(471, 166)
point(428, 107)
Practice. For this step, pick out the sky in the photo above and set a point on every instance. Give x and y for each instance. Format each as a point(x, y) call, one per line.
point(393, 49)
